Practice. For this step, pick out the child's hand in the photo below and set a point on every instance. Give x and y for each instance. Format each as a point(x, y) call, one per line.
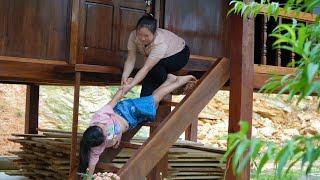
point(117, 141)
point(129, 80)
point(126, 88)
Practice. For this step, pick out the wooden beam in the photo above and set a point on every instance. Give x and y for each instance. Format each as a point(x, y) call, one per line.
point(32, 109)
point(88, 68)
point(32, 60)
point(176, 122)
point(241, 79)
point(162, 166)
point(300, 16)
point(44, 73)
point(191, 132)
point(73, 154)
point(266, 69)
point(74, 32)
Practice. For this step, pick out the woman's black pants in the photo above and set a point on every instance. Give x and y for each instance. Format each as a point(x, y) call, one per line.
point(158, 74)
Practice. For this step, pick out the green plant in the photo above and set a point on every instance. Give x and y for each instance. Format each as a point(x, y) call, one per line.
point(303, 150)
point(303, 40)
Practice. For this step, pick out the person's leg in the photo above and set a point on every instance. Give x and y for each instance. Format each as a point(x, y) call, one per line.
point(156, 76)
point(171, 85)
point(147, 87)
point(176, 62)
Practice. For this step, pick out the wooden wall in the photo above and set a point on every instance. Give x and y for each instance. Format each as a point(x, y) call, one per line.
point(35, 29)
point(202, 23)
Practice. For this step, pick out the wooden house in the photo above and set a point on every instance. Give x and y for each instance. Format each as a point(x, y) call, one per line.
point(84, 42)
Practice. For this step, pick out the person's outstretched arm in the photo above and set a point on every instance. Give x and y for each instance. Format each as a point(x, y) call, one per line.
point(128, 66)
point(116, 98)
point(119, 94)
point(142, 73)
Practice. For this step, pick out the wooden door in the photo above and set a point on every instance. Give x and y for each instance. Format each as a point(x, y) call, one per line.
point(105, 29)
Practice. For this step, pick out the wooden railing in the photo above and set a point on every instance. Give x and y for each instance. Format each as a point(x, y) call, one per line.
point(264, 53)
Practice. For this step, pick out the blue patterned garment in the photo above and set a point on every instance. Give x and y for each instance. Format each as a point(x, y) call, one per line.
point(136, 111)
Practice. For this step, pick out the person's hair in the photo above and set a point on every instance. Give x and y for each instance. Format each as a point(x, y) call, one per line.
point(147, 21)
point(92, 137)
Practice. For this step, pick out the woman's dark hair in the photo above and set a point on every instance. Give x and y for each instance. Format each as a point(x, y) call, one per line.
point(147, 21)
point(92, 137)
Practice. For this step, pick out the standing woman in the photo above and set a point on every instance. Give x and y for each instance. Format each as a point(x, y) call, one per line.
point(164, 52)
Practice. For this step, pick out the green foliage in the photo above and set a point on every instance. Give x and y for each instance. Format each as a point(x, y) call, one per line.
point(303, 150)
point(303, 40)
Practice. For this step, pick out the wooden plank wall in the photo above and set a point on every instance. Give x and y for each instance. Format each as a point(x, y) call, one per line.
point(35, 29)
point(203, 24)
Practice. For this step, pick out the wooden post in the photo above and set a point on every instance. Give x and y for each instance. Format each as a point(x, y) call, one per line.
point(32, 109)
point(241, 80)
point(278, 52)
point(162, 166)
point(73, 154)
point(264, 40)
point(75, 13)
point(191, 132)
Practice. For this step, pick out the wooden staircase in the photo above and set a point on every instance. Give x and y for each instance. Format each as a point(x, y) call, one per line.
point(168, 131)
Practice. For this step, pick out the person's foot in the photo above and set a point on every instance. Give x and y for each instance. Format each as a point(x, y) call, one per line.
point(171, 78)
point(184, 79)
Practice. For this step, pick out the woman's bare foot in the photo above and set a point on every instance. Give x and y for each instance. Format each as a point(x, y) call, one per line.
point(170, 79)
point(184, 79)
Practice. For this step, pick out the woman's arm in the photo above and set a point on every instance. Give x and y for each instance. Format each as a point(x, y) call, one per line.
point(149, 64)
point(128, 66)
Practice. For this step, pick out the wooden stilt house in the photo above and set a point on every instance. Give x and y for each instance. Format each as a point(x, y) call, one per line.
point(84, 42)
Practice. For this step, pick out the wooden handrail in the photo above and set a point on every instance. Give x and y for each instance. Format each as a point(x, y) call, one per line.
point(301, 16)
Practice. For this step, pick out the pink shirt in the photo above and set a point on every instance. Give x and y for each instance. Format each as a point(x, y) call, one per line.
point(105, 116)
point(165, 44)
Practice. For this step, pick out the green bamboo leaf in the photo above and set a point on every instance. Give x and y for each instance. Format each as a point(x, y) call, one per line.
point(289, 29)
point(268, 155)
point(241, 148)
point(307, 47)
point(230, 149)
point(314, 156)
point(255, 143)
point(301, 37)
point(283, 157)
point(312, 5)
point(263, 161)
point(312, 69)
point(244, 127)
point(294, 162)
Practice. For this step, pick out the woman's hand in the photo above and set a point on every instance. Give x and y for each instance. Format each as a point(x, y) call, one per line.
point(124, 80)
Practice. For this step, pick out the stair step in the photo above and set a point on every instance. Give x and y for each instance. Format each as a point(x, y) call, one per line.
point(168, 103)
point(151, 124)
point(107, 167)
point(125, 144)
